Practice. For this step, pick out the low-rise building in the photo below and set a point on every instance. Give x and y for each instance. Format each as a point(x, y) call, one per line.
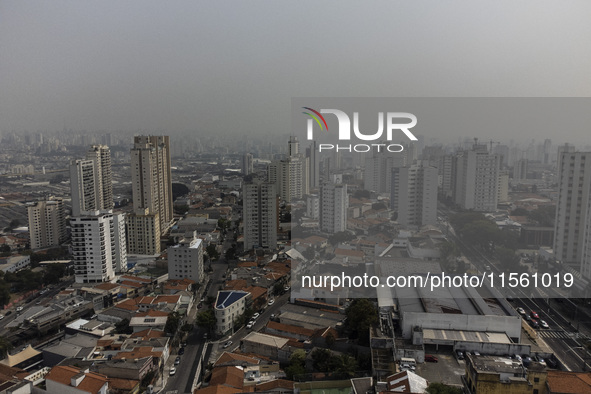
point(229, 305)
point(72, 380)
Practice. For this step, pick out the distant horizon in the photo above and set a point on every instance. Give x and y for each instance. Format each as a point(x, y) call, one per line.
point(232, 68)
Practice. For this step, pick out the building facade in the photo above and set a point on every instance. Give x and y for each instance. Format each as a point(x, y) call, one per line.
point(414, 195)
point(98, 246)
point(152, 193)
point(185, 260)
point(260, 215)
point(47, 223)
point(333, 205)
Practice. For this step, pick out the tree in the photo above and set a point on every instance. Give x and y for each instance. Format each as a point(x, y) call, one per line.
point(278, 289)
point(4, 293)
point(346, 366)
point(212, 252)
point(122, 327)
point(178, 190)
point(206, 319)
point(297, 364)
point(341, 236)
point(330, 340)
point(361, 314)
point(172, 323)
point(440, 388)
point(362, 194)
point(5, 347)
point(321, 359)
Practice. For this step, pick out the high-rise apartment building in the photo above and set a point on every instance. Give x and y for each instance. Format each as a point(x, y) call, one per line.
point(520, 170)
point(378, 170)
point(152, 194)
point(247, 164)
point(47, 223)
point(260, 215)
point(288, 175)
point(476, 176)
point(98, 246)
point(333, 205)
point(185, 260)
point(414, 195)
point(313, 166)
point(91, 181)
point(101, 156)
point(572, 212)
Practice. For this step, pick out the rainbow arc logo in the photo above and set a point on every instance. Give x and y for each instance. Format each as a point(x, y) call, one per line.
point(315, 115)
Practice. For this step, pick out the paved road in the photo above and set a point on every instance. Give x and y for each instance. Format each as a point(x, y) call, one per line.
point(182, 381)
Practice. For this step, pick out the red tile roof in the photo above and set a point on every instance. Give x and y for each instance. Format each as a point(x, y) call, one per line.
point(217, 389)
point(229, 376)
point(91, 383)
point(569, 382)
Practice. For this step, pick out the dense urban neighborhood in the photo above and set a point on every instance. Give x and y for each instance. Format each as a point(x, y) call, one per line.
point(175, 264)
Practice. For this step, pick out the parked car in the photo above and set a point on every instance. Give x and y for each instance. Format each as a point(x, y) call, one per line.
point(255, 316)
point(534, 315)
point(271, 301)
point(19, 309)
point(430, 358)
point(526, 360)
point(521, 311)
point(551, 363)
point(177, 360)
point(517, 357)
point(227, 344)
point(205, 336)
point(250, 324)
point(459, 354)
point(286, 288)
point(172, 371)
point(181, 351)
point(1, 317)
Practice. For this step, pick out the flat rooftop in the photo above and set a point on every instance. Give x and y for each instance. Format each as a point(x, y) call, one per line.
point(440, 336)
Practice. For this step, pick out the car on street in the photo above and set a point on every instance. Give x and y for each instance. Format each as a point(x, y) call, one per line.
point(534, 323)
point(172, 371)
point(521, 311)
point(227, 344)
point(271, 301)
point(459, 354)
point(518, 357)
point(181, 351)
point(534, 315)
point(255, 316)
point(544, 325)
point(1, 317)
point(250, 324)
point(286, 288)
point(19, 309)
point(177, 360)
point(205, 336)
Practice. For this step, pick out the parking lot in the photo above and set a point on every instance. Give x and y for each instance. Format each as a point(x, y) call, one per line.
point(447, 370)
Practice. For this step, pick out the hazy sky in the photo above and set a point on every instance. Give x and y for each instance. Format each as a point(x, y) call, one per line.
point(220, 66)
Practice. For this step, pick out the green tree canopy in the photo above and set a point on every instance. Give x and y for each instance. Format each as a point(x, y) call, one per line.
point(361, 314)
point(206, 319)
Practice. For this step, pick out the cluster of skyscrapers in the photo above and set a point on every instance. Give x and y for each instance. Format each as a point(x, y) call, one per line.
point(101, 239)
